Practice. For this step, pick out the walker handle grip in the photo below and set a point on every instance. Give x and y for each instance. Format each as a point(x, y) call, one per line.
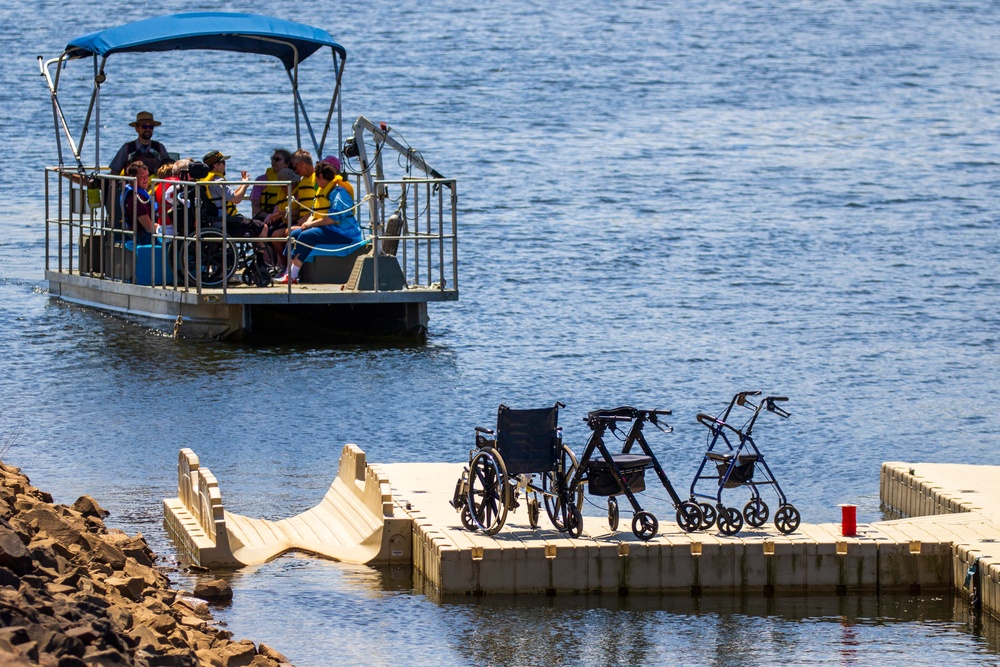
point(707, 420)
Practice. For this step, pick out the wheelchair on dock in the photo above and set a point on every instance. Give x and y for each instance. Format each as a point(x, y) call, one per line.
point(734, 460)
point(524, 454)
point(528, 443)
point(623, 473)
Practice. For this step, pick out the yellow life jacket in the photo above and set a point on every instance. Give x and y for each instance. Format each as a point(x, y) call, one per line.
point(305, 195)
point(338, 179)
point(231, 209)
point(322, 201)
point(273, 196)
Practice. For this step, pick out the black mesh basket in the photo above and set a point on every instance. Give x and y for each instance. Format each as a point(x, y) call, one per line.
point(742, 473)
point(600, 481)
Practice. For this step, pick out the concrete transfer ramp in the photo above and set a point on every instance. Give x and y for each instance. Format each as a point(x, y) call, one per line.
point(353, 523)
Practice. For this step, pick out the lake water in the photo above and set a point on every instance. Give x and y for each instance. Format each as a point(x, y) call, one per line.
point(661, 204)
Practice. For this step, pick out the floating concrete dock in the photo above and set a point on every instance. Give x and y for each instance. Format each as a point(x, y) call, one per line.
point(399, 513)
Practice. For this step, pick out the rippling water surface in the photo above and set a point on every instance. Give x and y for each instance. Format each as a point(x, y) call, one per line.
point(661, 204)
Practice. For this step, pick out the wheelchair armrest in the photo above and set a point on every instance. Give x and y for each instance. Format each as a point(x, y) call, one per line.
point(483, 429)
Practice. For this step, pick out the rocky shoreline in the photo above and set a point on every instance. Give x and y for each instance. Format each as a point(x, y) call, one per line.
point(74, 592)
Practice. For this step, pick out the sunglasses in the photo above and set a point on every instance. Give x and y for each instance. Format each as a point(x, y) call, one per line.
point(277, 159)
point(147, 127)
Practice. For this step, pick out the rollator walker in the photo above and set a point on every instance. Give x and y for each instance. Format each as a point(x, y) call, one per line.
point(612, 475)
point(731, 461)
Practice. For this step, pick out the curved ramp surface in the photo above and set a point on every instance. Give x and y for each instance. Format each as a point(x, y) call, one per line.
point(353, 522)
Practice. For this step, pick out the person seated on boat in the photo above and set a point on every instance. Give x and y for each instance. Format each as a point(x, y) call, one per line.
point(164, 174)
point(265, 198)
point(218, 195)
point(331, 222)
point(335, 163)
point(173, 196)
point(143, 147)
point(303, 201)
point(137, 204)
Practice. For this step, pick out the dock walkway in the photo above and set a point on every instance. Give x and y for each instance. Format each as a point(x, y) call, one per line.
point(953, 525)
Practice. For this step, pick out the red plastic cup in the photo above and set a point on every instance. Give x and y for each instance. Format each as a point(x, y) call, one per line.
point(848, 520)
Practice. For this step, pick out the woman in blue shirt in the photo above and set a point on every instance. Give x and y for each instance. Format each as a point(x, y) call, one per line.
point(332, 222)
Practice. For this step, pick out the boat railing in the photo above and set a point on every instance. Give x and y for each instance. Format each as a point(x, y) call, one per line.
point(85, 235)
point(416, 220)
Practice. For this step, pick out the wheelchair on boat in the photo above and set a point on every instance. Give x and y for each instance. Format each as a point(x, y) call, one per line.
point(217, 259)
point(524, 454)
point(624, 473)
point(734, 460)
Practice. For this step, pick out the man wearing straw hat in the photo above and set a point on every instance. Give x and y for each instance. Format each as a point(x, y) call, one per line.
point(142, 147)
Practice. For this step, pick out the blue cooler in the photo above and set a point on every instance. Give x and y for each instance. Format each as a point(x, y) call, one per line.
point(149, 263)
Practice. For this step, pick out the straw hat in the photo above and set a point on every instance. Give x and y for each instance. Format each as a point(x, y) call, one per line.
point(144, 118)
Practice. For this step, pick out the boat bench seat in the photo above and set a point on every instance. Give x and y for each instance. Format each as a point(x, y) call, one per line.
point(331, 264)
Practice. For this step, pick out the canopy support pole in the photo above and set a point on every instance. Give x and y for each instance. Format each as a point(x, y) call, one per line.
point(60, 117)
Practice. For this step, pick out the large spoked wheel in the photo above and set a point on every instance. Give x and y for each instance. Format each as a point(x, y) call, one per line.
point(612, 513)
point(487, 494)
point(645, 525)
point(213, 254)
point(708, 515)
point(552, 486)
point(689, 516)
point(756, 512)
point(730, 520)
point(786, 519)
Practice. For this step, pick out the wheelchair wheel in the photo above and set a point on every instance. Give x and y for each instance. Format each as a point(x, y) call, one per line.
point(534, 511)
point(213, 256)
point(689, 516)
point(466, 515)
point(730, 521)
point(487, 495)
point(786, 519)
point(708, 515)
point(574, 522)
point(613, 513)
point(645, 525)
point(551, 487)
point(756, 512)
point(257, 274)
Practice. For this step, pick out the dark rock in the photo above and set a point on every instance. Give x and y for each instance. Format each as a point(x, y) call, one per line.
point(216, 591)
point(8, 578)
point(43, 518)
point(58, 643)
point(15, 635)
point(106, 658)
point(269, 652)
point(129, 587)
point(71, 661)
point(86, 634)
point(13, 554)
point(237, 654)
point(87, 506)
point(102, 552)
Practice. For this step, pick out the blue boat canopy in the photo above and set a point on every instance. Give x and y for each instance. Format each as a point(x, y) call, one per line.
point(220, 31)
